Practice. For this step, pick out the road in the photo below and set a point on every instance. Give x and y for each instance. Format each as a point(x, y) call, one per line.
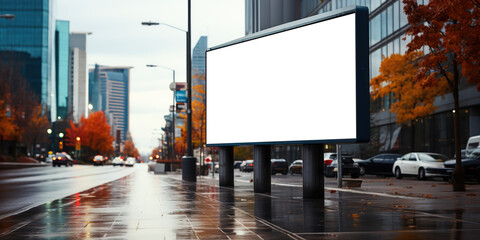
point(23, 189)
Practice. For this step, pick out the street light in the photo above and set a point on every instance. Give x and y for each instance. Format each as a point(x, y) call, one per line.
point(173, 112)
point(7, 16)
point(188, 162)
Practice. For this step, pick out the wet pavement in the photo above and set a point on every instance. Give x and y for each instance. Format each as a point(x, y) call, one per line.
point(147, 206)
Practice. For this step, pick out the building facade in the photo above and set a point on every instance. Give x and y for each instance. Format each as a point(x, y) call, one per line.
point(78, 81)
point(388, 26)
point(112, 85)
point(27, 45)
point(62, 43)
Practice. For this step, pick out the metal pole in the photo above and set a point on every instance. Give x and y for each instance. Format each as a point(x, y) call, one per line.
point(313, 180)
point(173, 123)
point(189, 162)
point(189, 86)
point(339, 165)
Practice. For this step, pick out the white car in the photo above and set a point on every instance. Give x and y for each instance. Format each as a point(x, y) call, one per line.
point(118, 161)
point(422, 165)
point(130, 162)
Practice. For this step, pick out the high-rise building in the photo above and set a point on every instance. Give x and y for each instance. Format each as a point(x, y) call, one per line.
point(62, 34)
point(198, 56)
point(388, 25)
point(78, 81)
point(27, 45)
point(112, 86)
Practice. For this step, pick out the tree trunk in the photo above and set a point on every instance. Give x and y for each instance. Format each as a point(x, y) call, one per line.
point(458, 177)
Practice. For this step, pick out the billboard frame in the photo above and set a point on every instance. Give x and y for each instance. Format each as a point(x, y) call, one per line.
point(361, 68)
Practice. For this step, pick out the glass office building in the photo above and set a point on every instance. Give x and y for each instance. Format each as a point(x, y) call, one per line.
point(62, 42)
point(26, 45)
point(112, 86)
point(388, 25)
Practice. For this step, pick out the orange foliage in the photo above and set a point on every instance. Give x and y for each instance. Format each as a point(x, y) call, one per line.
point(397, 76)
point(94, 133)
point(8, 129)
point(129, 149)
point(450, 29)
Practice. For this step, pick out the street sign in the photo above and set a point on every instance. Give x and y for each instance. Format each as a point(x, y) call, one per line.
point(176, 86)
point(178, 132)
point(181, 96)
point(181, 107)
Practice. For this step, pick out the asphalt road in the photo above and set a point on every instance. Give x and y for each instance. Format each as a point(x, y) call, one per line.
point(23, 189)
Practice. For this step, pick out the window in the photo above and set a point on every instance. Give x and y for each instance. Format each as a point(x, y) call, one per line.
point(389, 20)
point(403, 16)
point(412, 157)
point(384, 24)
point(396, 16)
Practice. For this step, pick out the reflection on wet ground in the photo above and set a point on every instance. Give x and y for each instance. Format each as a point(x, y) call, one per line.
point(147, 206)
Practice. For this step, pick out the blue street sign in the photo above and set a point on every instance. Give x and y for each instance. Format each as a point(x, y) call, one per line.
point(181, 96)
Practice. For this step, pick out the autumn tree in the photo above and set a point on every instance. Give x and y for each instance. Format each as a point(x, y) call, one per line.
point(94, 133)
point(450, 30)
point(129, 149)
point(397, 76)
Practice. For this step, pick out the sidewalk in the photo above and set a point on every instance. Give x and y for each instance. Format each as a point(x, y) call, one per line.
point(147, 206)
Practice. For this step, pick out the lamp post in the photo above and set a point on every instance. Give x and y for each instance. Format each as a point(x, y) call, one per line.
point(7, 16)
point(189, 162)
point(173, 112)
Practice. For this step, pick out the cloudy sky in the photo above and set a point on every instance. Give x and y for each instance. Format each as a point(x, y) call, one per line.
point(118, 39)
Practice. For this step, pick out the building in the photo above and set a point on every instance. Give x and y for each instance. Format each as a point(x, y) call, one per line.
point(27, 45)
point(388, 25)
point(62, 42)
point(110, 93)
point(198, 64)
point(78, 81)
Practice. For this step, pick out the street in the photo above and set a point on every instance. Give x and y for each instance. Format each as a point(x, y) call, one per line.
point(142, 205)
point(22, 189)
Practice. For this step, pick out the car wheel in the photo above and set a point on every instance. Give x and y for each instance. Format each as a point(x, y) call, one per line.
point(398, 173)
point(421, 174)
point(362, 170)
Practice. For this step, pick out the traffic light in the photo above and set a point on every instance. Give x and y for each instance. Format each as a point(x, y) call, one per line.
point(60, 145)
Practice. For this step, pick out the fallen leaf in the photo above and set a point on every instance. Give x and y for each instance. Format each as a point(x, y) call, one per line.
point(429, 196)
point(333, 191)
point(471, 194)
point(390, 184)
point(395, 193)
point(434, 185)
point(251, 180)
point(355, 215)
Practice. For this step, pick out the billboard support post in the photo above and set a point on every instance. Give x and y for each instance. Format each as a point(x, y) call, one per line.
point(226, 166)
point(262, 180)
point(313, 181)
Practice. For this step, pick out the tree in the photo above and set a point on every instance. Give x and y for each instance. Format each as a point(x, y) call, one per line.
point(397, 76)
point(94, 133)
point(129, 149)
point(450, 30)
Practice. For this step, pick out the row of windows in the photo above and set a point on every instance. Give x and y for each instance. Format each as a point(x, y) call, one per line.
point(388, 21)
point(24, 4)
point(24, 18)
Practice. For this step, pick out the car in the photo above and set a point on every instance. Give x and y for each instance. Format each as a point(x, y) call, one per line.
point(471, 165)
point(98, 160)
point(248, 167)
point(296, 167)
point(130, 162)
point(349, 167)
point(380, 164)
point(328, 158)
point(472, 144)
point(279, 166)
point(49, 158)
point(421, 164)
point(118, 161)
point(62, 159)
point(237, 164)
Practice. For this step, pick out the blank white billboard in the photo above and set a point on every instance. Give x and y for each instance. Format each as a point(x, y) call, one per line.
point(294, 86)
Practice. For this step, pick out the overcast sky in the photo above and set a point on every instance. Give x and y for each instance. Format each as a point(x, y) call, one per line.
point(118, 39)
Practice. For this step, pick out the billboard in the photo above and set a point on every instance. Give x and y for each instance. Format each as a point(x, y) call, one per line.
point(301, 82)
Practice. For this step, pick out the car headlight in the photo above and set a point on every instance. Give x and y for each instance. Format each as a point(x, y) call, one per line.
point(355, 164)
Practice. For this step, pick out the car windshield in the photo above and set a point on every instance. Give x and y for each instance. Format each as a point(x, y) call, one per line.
point(431, 157)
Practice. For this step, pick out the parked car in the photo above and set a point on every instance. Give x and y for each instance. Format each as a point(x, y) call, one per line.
point(118, 161)
point(237, 164)
point(296, 167)
point(49, 158)
point(380, 164)
point(422, 165)
point(130, 162)
point(328, 158)
point(62, 159)
point(98, 160)
point(472, 144)
point(248, 167)
point(471, 165)
point(279, 166)
point(349, 167)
